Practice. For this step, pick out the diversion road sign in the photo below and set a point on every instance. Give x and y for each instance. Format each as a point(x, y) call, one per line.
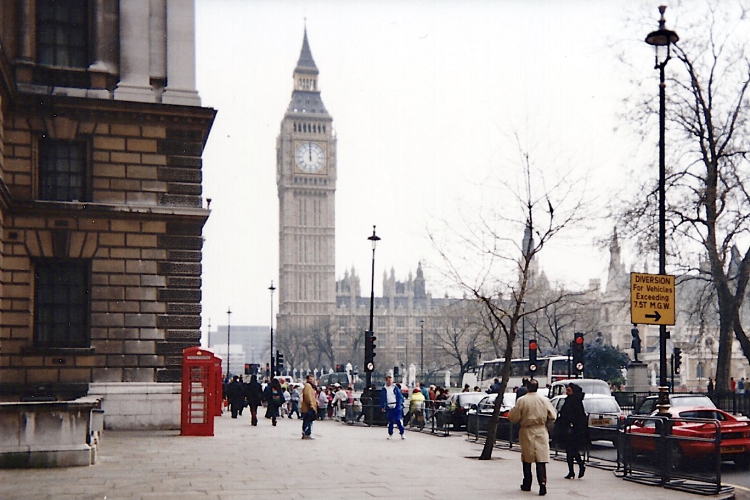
point(652, 299)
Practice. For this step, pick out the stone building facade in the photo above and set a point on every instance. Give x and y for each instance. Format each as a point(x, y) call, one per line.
point(100, 203)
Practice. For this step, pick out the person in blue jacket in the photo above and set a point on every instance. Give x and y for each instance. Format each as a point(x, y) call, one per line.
point(392, 402)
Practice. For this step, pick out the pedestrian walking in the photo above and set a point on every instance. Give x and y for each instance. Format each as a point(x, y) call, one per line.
point(340, 400)
point(710, 386)
point(235, 395)
point(322, 403)
point(254, 397)
point(309, 407)
point(274, 399)
point(534, 413)
point(572, 429)
point(392, 403)
point(294, 400)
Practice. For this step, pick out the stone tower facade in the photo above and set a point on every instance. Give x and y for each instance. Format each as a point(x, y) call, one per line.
point(102, 132)
point(306, 181)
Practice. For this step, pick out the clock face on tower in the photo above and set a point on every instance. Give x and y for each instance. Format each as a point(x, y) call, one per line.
point(310, 157)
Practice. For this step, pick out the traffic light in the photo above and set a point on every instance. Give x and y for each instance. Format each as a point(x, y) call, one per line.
point(279, 362)
point(395, 371)
point(370, 353)
point(532, 357)
point(677, 359)
point(578, 351)
point(247, 369)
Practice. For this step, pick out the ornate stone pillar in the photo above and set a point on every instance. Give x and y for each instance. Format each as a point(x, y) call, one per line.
point(181, 54)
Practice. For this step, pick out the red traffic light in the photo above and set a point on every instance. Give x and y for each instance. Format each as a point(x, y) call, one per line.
point(579, 339)
point(532, 345)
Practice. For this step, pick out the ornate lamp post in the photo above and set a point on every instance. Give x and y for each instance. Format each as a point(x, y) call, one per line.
point(661, 40)
point(370, 364)
point(273, 372)
point(229, 336)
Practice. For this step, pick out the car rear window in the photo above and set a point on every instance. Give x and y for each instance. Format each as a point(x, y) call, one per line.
point(603, 405)
point(693, 401)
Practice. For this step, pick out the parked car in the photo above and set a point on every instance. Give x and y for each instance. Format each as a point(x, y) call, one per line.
point(604, 415)
point(460, 403)
point(483, 411)
point(589, 386)
point(675, 401)
point(734, 439)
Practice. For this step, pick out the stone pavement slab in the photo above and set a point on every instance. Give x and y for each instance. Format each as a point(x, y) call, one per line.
point(342, 462)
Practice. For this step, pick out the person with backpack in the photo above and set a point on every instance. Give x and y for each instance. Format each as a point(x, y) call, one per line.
point(254, 397)
point(274, 399)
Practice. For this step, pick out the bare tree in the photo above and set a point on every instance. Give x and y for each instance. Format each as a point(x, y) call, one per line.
point(507, 269)
point(458, 335)
point(708, 178)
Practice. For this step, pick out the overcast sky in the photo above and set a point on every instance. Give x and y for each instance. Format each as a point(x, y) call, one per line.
point(425, 98)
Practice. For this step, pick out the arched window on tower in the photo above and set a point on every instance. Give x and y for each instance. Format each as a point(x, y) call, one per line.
point(700, 370)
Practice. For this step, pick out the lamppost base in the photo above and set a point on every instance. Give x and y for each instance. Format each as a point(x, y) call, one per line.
point(663, 402)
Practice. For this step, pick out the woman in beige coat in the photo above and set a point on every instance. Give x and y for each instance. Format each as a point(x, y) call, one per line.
point(534, 413)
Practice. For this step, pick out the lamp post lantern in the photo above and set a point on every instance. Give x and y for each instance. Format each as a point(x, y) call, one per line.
point(229, 336)
point(661, 40)
point(273, 372)
point(370, 364)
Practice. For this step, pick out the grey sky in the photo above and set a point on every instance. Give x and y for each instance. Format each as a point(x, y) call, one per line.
point(425, 96)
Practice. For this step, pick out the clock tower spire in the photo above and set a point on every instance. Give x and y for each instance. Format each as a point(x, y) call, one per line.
point(306, 183)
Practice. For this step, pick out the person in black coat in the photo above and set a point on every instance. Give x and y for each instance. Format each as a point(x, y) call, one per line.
point(254, 397)
point(572, 429)
point(274, 397)
point(235, 395)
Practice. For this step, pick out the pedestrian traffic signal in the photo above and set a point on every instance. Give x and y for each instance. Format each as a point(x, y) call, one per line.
point(577, 348)
point(279, 362)
point(369, 352)
point(677, 359)
point(532, 357)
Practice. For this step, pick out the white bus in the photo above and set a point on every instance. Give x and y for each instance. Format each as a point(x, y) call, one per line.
point(549, 369)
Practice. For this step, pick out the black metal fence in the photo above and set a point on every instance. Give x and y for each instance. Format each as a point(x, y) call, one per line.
point(431, 417)
point(653, 452)
point(728, 401)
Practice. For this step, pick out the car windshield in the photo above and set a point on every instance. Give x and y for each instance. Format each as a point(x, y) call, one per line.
point(600, 405)
point(469, 398)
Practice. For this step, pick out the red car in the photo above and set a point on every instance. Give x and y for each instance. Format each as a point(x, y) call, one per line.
point(734, 439)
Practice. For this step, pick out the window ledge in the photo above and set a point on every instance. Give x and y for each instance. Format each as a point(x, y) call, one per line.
point(58, 351)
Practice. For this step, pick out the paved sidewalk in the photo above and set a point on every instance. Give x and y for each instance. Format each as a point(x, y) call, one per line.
point(342, 462)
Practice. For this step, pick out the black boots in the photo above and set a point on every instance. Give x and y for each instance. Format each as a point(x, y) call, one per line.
point(541, 477)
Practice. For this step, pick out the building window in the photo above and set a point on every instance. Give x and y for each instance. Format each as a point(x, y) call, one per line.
point(381, 322)
point(401, 339)
point(62, 170)
point(343, 321)
point(400, 322)
point(62, 33)
point(61, 303)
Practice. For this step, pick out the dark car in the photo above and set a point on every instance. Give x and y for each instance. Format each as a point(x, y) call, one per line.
point(459, 404)
point(675, 401)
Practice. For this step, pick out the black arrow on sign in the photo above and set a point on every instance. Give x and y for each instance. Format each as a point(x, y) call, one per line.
point(656, 316)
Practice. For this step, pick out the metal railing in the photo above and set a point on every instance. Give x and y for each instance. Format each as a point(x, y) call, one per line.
point(652, 452)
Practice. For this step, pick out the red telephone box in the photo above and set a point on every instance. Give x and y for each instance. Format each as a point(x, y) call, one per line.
point(218, 387)
point(199, 395)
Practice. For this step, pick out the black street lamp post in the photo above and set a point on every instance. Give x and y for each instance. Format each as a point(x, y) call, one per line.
point(369, 369)
point(229, 336)
point(421, 351)
point(273, 372)
point(661, 40)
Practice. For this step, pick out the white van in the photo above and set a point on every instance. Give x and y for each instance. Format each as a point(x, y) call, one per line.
point(589, 386)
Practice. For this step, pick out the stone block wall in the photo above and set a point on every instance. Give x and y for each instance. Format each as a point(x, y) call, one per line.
point(141, 230)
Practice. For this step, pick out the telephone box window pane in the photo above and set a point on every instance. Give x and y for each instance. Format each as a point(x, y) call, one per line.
point(61, 305)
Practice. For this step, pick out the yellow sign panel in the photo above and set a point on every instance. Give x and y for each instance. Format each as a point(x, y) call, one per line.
point(652, 299)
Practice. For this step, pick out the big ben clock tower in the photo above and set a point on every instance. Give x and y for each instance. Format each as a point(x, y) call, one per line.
point(306, 181)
